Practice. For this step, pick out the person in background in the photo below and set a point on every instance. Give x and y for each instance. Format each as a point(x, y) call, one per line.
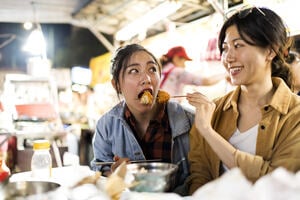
point(175, 76)
point(256, 127)
point(294, 61)
point(133, 130)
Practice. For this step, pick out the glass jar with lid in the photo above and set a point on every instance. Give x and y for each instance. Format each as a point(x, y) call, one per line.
point(41, 161)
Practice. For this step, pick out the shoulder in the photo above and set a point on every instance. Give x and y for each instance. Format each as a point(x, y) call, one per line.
point(228, 99)
point(294, 106)
point(114, 114)
point(176, 109)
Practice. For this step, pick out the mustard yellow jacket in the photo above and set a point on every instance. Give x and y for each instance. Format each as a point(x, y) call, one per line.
point(278, 140)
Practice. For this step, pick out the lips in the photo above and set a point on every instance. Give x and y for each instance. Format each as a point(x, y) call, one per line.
point(235, 70)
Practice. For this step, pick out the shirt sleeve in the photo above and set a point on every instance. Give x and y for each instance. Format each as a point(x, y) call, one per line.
point(188, 78)
point(285, 153)
point(200, 169)
point(102, 148)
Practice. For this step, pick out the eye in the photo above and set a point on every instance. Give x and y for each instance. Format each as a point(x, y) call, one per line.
point(132, 71)
point(153, 69)
point(237, 45)
point(224, 48)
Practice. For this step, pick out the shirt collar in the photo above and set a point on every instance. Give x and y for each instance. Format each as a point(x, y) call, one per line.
point(158, 117)
point(280, 100)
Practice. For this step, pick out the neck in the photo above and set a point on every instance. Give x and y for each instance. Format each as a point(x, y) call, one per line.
point(143, 119)
point(258, 95)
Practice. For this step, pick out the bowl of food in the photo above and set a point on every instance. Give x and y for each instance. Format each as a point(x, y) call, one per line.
point(152, 177)
point(22, 189)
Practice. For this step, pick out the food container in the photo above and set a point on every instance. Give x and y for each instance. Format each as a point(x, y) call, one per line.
point(152, 177)
point(22, 189)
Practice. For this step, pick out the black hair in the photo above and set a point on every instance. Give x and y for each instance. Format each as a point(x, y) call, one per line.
point(264, 28)
point(165, 60)
point(121, 58)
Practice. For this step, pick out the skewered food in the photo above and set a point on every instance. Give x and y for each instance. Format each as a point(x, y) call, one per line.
point(147, 97)
point(163, 96)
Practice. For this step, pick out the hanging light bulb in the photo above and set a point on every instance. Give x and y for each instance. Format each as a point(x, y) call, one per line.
point(27, 25)
point(35, 44)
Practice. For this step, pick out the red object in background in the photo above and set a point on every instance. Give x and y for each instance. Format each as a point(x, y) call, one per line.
point(1, 107)
point(4, 170)
point(37, 110)
point(212, 52)
point(11, 155)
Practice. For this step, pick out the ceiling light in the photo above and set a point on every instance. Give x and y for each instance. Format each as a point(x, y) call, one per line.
point(27, 25)
point(143, 23)
point(36, 43)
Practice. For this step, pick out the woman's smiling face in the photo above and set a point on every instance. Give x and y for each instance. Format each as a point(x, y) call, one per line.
point(141, 73)
point(245, 63)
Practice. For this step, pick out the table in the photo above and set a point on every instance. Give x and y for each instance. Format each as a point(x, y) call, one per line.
point(65, 176)
point(70, 175)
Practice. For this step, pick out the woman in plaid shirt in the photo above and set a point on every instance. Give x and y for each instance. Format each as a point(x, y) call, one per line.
point(133, 130)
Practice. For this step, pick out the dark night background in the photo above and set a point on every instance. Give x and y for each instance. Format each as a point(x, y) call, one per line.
point(67, 46)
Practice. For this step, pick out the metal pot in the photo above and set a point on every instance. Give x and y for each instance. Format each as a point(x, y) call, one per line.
point(13, 190)
point(152, 177)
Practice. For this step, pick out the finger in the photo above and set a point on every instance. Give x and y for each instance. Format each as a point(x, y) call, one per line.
point(116, 158)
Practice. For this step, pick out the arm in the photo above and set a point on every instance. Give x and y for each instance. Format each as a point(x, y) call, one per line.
point(198, 80)
point(102, 148)
point(203, 115)
point(200, 167)
point(215, 78)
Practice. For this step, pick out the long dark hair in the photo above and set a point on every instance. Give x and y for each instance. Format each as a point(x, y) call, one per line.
point(264, 28)
point(121, 58)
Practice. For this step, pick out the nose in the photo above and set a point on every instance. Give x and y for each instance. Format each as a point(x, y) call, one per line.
point(228, 56)
point(145, 79)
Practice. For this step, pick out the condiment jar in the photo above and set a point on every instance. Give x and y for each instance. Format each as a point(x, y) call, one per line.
point(41, 161)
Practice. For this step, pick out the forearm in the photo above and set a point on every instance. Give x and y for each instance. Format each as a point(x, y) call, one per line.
point(224, 150)
point(211, 80)
point(200, 167)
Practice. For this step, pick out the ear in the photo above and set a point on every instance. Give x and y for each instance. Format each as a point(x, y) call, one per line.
point(113, 82)
point(271, 54)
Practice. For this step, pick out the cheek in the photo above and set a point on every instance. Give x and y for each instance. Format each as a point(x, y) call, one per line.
point(127, 83)
point(223, 61)
point(156, 80)
point(298, 69)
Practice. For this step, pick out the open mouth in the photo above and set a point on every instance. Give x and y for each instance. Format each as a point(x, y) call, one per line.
point(142, 92)
point(146, 97)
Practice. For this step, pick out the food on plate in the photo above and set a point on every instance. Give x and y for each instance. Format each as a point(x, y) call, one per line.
point(163, 96)
point(146, 98)
point(88, 179)
point(142, 170)
point(115, 184)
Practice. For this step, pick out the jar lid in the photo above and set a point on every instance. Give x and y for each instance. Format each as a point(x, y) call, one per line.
point(41, 144)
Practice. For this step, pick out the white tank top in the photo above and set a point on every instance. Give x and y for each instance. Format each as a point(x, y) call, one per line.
point(245, 141)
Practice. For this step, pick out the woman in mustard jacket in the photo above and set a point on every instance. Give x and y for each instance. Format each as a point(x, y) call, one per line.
point(256, 127)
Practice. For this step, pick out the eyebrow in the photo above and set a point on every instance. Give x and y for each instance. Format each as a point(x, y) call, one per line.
point(136, 64)
point(234, 40)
